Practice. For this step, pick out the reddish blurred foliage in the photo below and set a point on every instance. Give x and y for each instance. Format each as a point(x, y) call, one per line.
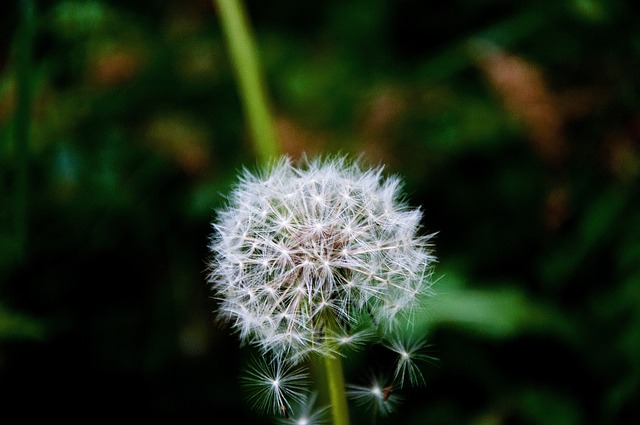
point(381, 118)
point(184, 19)
point(185, 141)
point(622, 151)
point(114, 66)
point(524, 91)
point(556, 207)
point(7, 101)
point(296, 140)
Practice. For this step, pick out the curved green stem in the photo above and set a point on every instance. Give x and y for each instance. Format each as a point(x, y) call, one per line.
point(244, 58)
point(337, 394)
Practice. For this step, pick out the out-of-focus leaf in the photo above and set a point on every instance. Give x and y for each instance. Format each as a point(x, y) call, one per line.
point(456, 123)
point(498, 312)
point(591, 10)
point(15, 325)
point(77, 19)
point(8, 250)
point(597, 222)
point(544, 406)
point(460, 55)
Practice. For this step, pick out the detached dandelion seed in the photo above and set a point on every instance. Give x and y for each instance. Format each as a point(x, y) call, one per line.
point(409, 351)
point(378, 396)
point(275, 386)
point(354, 340)
point(307, 413)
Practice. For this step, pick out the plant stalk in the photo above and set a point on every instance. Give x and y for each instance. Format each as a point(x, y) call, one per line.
point(253, 94)
point(337, 394)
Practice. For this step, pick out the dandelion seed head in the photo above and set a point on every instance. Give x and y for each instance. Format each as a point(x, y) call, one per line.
point(301, 249)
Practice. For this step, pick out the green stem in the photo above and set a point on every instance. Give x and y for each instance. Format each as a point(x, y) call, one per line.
point(337, 394)
point(244, 58)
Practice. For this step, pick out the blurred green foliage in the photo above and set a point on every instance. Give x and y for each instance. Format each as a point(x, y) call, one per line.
point(516, 127)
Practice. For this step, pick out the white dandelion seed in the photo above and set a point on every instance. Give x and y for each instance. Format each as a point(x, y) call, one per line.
point(307, 413)
point(410, 352)
point(377, 396)
point(275, 386)
point(354, 340)
point(302, 250)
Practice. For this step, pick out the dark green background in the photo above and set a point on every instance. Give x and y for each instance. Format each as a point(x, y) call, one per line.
point(515, 125)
